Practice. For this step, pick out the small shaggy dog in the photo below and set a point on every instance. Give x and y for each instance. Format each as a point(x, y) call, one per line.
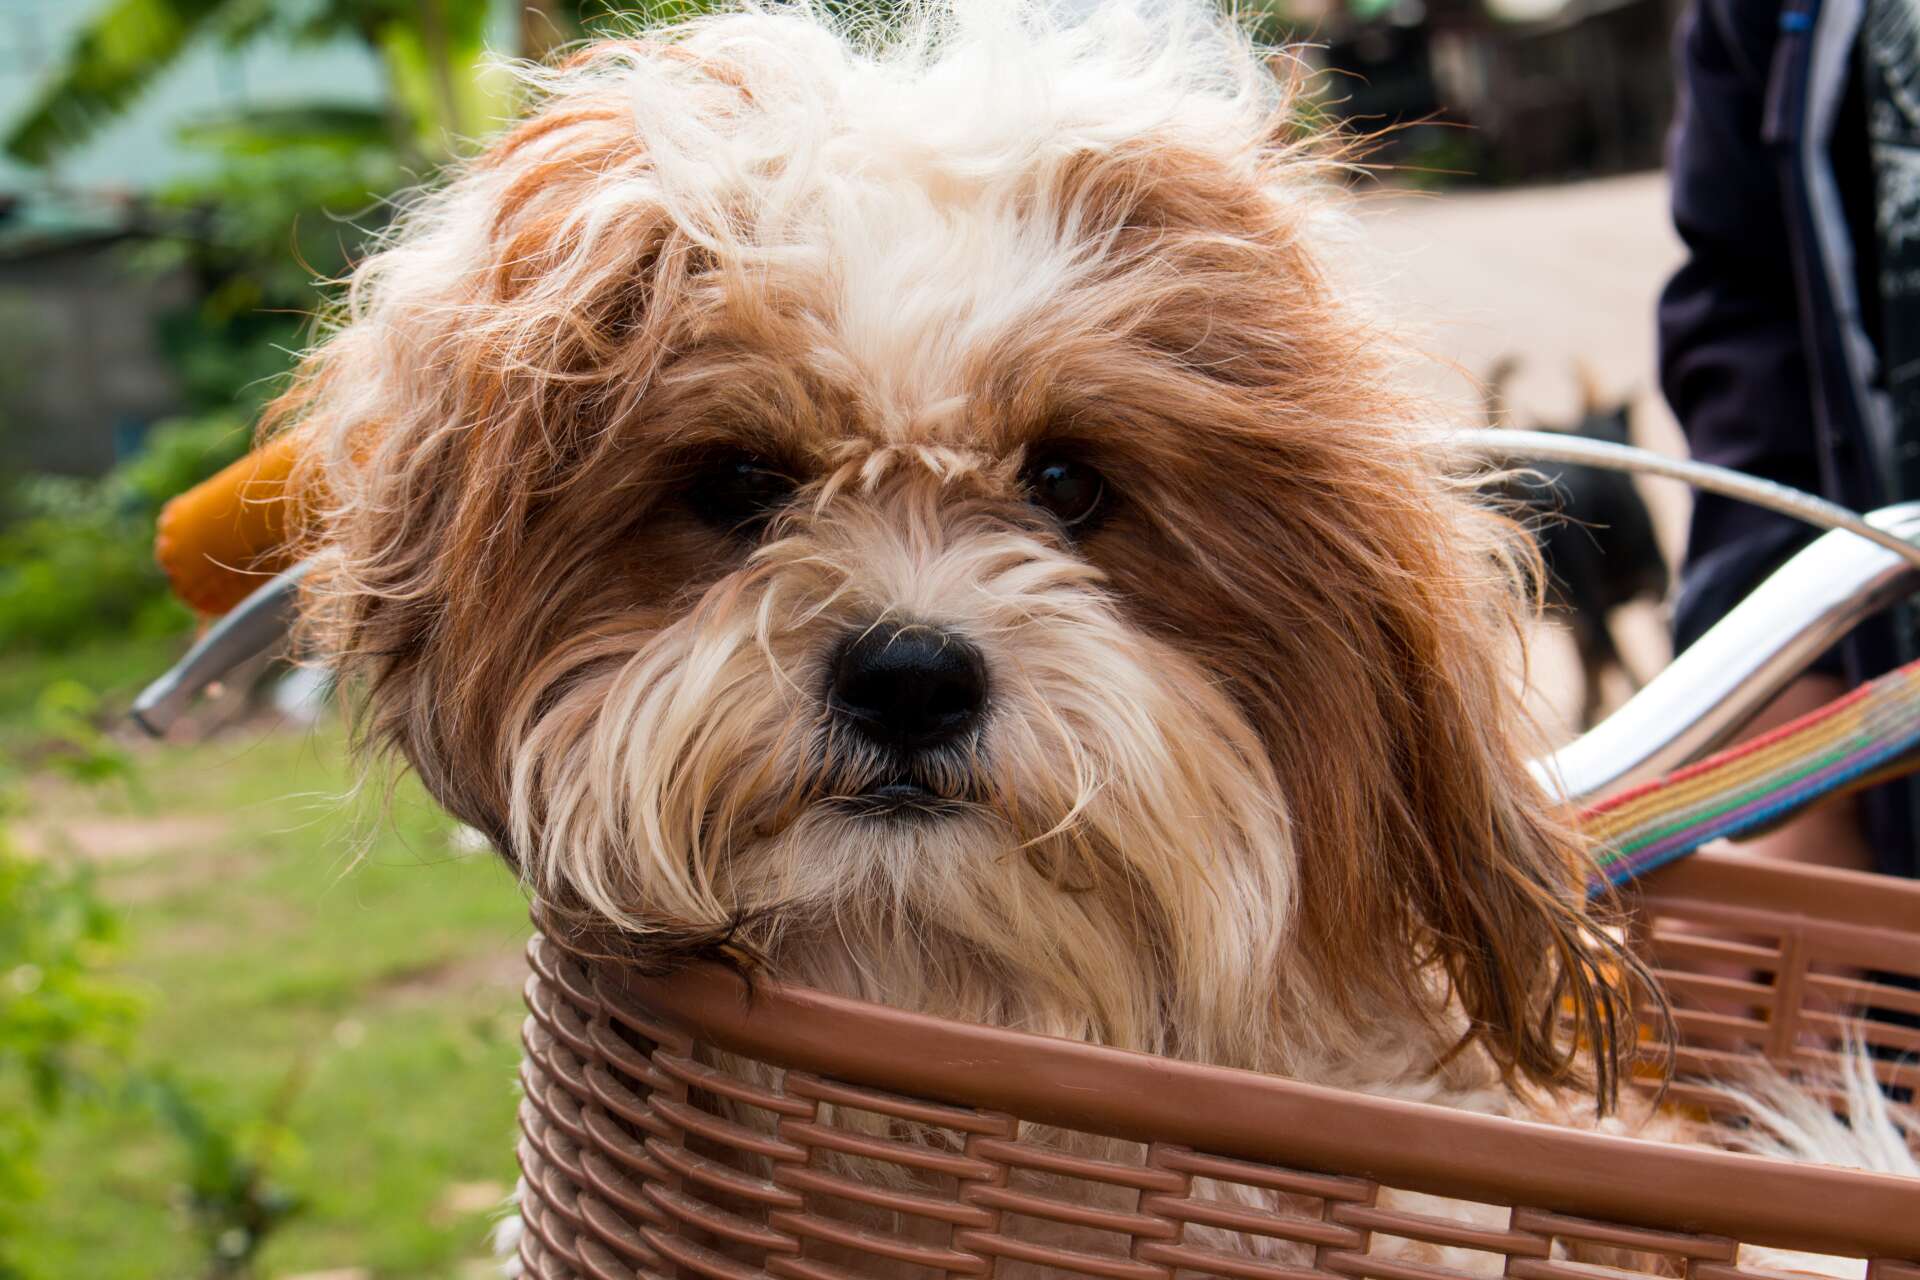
point(923, 515)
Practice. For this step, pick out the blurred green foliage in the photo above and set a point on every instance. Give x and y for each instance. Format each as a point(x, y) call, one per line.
point(63, 1020)
point(320, 1077)
point(293, 195)
point(259, 237)
point(71, 742)
point(76, 554)
point(231, 1195)
point(56, 1012)
point(68, 1024)
point(430, 50)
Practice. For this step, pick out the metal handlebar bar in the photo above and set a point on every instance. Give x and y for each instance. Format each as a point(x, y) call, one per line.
point(1725, 677)
point(255, 625)
point(1705, 695)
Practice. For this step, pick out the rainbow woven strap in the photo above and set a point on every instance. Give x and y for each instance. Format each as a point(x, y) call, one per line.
point(1757, 782)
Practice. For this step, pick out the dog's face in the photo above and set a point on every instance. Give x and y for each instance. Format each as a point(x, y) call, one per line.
point(933, 523)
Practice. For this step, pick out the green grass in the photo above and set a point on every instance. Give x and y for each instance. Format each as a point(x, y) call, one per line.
point(115, 669)
point(275, 931)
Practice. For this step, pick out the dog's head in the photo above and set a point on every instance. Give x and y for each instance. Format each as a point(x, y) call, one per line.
point(927, 515)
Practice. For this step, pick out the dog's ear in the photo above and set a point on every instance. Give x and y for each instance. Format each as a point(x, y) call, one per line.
point(1478, 878)
point(1362, 611)
point(1495, 883)
point(1593, 398)
point(470, 423)
point(1612, 425)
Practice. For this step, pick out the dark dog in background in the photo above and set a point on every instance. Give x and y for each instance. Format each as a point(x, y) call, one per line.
point(1595, 533)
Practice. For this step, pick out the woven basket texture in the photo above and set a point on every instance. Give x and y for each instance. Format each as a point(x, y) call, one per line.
point(687, 1127)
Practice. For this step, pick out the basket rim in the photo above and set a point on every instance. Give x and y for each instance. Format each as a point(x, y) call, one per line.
point(1874, 918)
point(1273, 1120)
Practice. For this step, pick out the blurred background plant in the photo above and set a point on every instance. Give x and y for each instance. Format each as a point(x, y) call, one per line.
point(76, 552)
point(230, 1193)
point(280, 196)
point(63, 1021)
point(161, 1045)
point(68, 1035)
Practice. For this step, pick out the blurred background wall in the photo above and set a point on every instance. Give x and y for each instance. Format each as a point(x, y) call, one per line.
point(1501, 91)
point(83, 366)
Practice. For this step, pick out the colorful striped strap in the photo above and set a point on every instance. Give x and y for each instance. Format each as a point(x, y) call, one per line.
point(1760, 781)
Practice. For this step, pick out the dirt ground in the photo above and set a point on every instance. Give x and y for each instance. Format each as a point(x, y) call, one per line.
point(1563, 278)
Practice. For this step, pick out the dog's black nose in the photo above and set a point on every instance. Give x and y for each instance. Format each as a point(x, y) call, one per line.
point(911, 687)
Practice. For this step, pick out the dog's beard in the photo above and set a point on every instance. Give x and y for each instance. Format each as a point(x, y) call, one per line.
point(1108, 858)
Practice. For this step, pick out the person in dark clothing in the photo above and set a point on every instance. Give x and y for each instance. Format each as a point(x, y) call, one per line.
point(1790, 337)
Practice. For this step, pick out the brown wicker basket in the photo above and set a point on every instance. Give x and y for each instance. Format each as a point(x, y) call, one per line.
point(641, 1159)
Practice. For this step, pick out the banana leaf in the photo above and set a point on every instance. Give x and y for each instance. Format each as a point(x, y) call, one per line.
point(120, 51)
point(263, 130)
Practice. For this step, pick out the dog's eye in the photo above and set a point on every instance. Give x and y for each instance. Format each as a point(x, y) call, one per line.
point(739, 492)
point(1071, 490)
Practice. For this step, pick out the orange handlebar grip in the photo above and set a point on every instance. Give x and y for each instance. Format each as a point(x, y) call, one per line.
point(225, 536)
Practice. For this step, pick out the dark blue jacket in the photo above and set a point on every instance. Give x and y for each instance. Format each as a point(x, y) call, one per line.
point(1766, 346)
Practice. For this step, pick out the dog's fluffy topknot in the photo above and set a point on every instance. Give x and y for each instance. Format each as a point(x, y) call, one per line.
point(781, 140)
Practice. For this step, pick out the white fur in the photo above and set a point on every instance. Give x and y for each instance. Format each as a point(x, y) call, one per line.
point(1793, 1122)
